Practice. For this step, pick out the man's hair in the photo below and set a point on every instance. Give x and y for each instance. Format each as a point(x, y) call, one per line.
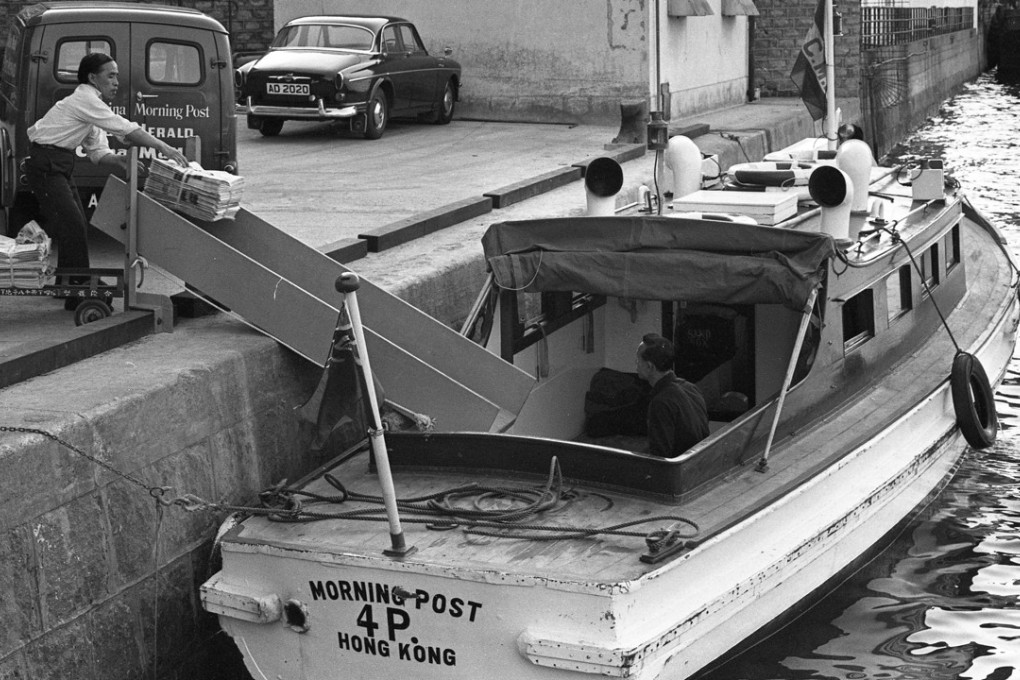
point(658, 351)
point(92, 63)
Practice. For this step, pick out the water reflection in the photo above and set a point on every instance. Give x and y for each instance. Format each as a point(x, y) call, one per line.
point(942, 601)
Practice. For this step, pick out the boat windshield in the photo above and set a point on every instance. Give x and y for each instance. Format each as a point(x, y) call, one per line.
point(325, 36)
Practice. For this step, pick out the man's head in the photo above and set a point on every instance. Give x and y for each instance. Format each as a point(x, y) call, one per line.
point(100, 71)
point(654, 357)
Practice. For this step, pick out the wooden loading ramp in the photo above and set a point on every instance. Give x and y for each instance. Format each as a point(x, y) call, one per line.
point(287, 290)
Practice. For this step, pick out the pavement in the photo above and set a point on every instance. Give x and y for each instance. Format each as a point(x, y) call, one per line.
point(323, 187)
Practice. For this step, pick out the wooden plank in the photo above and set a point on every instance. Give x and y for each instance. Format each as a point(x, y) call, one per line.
point(621, 153)
point(385, 315)
point(42, 356)
point(423, 224)
point(529, 188)
point(281, 309)
point(345, 250)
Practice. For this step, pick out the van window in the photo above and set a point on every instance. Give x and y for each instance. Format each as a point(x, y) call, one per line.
point(70, 53)
point(174, 64)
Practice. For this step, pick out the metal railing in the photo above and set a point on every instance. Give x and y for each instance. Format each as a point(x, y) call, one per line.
point(897, 25)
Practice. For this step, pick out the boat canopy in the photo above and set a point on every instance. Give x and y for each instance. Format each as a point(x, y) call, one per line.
point(658, 258)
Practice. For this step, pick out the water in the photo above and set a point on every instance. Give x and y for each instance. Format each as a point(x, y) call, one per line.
point(942, 602)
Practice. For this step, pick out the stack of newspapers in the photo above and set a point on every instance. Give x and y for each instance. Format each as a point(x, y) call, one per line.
point(203, 194)
point(25, 259)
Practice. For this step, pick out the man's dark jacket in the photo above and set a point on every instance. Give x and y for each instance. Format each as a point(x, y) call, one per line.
point(677, 417)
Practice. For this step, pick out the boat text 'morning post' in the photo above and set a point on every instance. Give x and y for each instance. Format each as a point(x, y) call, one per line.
point(348, 283)
point(798, 343)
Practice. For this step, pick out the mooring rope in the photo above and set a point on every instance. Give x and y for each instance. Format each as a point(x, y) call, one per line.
point(438, 511)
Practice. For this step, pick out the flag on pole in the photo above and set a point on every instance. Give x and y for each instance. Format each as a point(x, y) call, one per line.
point(808, 72)
point(338, 407)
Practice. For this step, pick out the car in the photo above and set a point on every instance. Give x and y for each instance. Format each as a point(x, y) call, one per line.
point(356, 69)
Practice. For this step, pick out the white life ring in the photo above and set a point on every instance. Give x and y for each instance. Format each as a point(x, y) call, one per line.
point(772, 173)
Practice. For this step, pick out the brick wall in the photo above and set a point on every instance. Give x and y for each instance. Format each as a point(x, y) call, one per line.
point(250, 23)
point(779, 33)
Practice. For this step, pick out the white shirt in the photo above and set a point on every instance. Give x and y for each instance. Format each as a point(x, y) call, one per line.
point(82, 118)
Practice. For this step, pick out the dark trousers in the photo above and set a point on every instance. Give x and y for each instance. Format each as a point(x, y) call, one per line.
point(63, 218)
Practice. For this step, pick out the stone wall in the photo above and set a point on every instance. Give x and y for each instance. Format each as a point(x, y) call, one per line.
point(905, 84)
point(95, 582)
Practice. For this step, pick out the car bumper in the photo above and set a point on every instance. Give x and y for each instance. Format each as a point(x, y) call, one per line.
point(318, 113)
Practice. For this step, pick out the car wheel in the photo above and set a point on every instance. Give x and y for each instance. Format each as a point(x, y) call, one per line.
point(270, 127)
point(378, 115)
point(447, 104)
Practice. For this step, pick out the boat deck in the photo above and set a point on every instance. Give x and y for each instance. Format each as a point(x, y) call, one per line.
point(614, 558)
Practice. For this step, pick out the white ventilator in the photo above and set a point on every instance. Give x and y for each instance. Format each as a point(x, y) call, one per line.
point(833, 190)
point(683, 158)
point(603, 179)
point(854, 158)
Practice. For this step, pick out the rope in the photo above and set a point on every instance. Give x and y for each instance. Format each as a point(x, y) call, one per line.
point(437, 511)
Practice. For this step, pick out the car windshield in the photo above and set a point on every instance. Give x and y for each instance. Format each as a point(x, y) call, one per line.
point(329, 36)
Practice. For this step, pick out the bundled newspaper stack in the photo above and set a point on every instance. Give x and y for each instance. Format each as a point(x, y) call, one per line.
point(207, 195)
point(25, 259)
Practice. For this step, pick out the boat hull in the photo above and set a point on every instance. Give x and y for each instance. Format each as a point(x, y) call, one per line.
point(305, 613)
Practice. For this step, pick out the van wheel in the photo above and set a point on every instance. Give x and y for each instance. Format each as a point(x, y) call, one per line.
point(377, 115)
point(270, 127)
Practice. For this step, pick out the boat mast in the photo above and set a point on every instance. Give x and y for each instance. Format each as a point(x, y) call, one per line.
point(831, 124)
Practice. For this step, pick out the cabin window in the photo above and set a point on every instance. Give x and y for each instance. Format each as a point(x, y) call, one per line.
point(930, 267)
point(898, 294)
point(538, 315)
point(174, 64)
point(952, 248)
point(858, 320)
point(70, 53)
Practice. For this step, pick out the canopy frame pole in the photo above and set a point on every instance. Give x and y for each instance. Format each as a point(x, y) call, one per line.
point(805, 320)
point(348, 283)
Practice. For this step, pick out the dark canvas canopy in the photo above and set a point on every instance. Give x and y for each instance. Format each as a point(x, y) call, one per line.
point(658, 258)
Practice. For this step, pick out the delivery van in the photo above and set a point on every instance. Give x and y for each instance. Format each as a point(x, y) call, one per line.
point(176, 80)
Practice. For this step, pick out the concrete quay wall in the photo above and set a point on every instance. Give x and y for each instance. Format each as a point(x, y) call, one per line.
point(98, 582)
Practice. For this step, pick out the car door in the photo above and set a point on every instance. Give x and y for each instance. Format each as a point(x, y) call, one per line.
point(176, 89)
point(423, 75)
point(57, 50)
point(394, 67)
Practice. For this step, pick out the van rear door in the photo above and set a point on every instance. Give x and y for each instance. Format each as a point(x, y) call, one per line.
point(177, 88)
point(57, 50)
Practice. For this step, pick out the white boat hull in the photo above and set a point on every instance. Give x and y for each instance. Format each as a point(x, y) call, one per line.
point(670, 623)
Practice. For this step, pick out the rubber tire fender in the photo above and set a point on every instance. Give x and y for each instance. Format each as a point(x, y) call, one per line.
point(973, 401)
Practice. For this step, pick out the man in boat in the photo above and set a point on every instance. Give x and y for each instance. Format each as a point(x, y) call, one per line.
point(677, 416)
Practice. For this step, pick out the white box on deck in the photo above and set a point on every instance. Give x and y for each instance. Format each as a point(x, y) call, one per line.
point(765, 207)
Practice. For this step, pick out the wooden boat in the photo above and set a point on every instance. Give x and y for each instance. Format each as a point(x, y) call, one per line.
point(638, 566)
point(844, 356)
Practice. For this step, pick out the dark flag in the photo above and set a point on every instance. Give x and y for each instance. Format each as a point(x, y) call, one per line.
point(339, 405)
point(808, 72)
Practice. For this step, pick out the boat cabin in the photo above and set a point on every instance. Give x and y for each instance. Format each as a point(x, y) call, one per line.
point(571, 298)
